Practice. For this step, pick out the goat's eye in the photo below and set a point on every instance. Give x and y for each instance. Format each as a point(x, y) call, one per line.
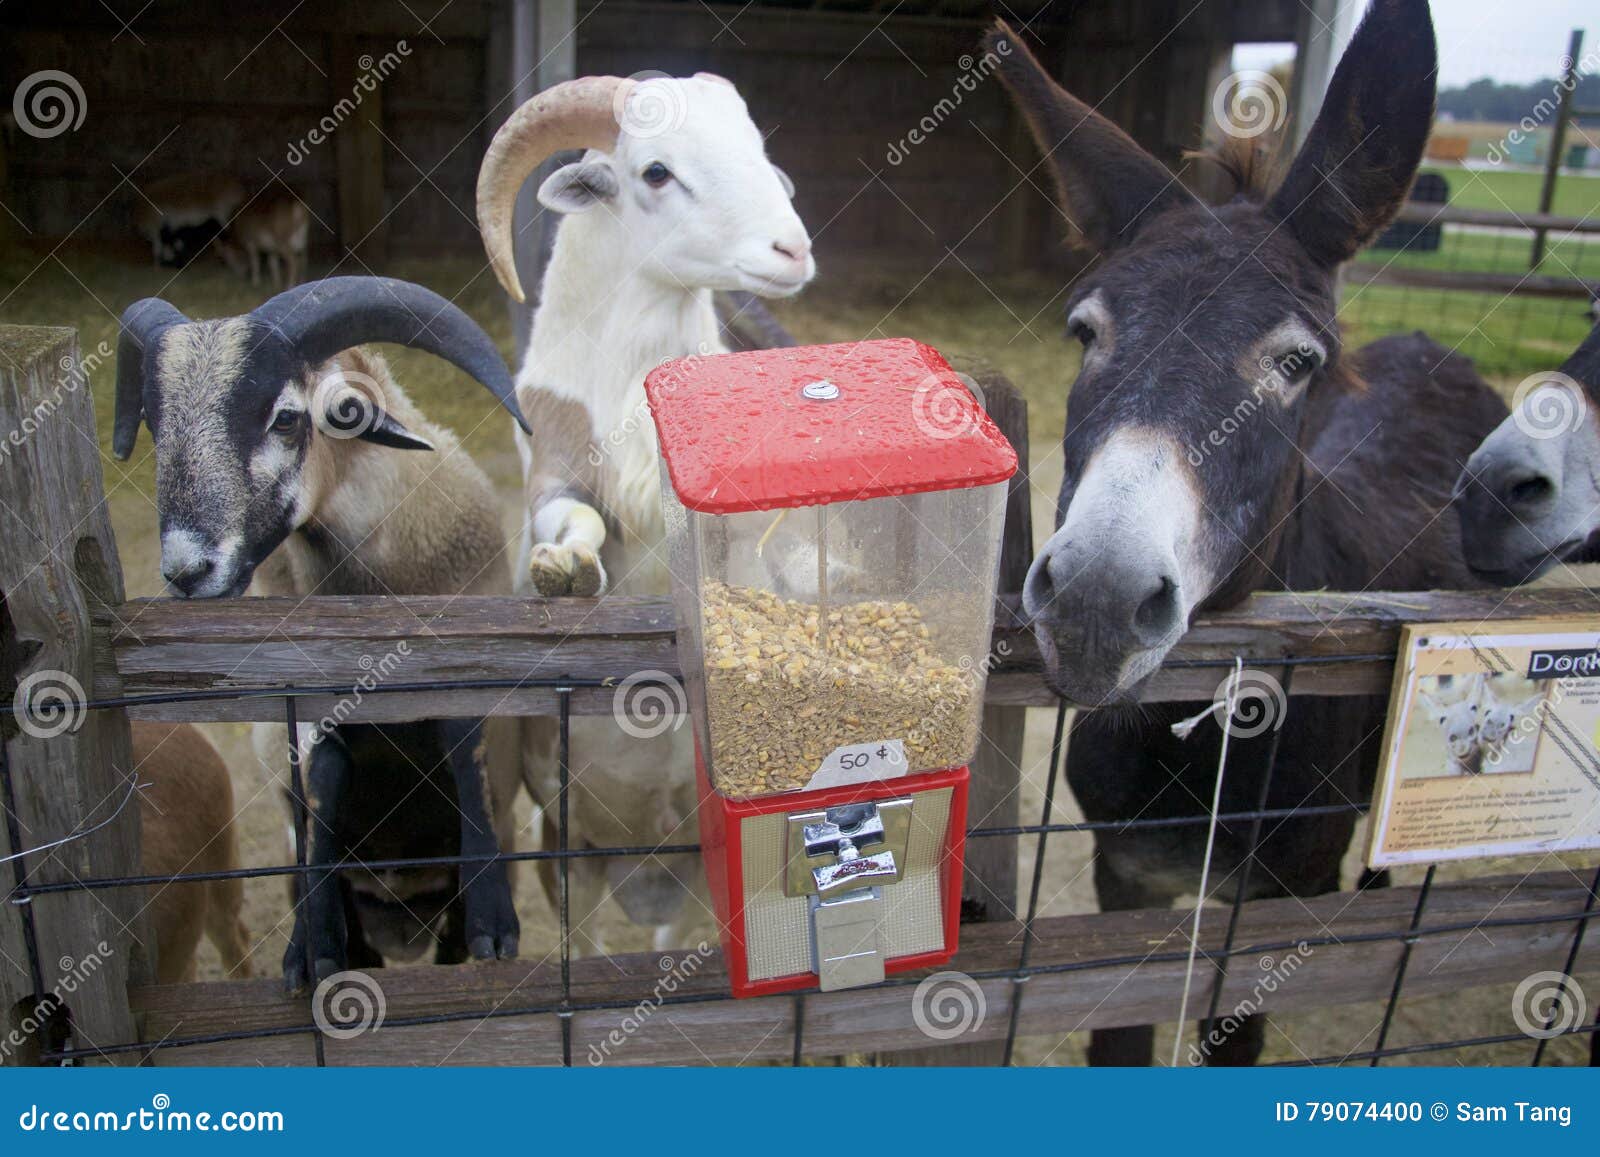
point(285, 421)
point(656, 174)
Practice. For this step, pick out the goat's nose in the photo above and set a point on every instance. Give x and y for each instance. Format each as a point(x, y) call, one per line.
point(795, 249)
point(188, 574)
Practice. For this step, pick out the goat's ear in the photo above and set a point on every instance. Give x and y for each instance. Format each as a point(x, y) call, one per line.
point(1106, 184)
point(1355, 170)
point(388, 432)
point(785, 180)
point(579, 186)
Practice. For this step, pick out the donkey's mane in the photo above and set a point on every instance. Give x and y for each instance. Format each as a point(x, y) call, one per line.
point(1252, 166)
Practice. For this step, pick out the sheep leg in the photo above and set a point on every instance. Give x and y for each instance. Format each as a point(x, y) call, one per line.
point(321, 932)
point(565, 560)
point(491, 918)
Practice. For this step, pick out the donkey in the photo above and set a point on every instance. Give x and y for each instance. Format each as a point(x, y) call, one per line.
point(1530, 495)
point(1219, 441)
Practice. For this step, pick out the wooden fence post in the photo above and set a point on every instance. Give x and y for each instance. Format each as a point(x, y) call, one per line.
point(65, 769)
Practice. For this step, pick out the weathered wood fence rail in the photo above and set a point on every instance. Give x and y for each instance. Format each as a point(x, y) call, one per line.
point(1343, 644)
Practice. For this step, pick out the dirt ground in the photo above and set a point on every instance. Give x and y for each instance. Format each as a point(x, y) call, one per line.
point(1016, 323)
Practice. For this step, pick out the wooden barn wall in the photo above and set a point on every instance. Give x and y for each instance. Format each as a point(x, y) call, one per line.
point(206, 84)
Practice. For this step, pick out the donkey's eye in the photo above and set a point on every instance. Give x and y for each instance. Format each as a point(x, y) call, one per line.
point(1084, 332)
point(1297, 365)
point(656, 174)
point(286, 421)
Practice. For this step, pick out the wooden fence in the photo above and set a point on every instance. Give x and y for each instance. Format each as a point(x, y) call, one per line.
point(61, 607)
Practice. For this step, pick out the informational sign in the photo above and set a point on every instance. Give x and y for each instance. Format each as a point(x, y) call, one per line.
point(1493, 743)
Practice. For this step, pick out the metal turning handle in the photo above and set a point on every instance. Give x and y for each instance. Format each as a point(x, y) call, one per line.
point(858, 845)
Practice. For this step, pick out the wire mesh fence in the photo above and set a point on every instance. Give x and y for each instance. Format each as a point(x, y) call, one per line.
point(1024, 967)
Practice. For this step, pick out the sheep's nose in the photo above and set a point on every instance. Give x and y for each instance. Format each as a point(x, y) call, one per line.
point(186, 576)
point(795, 249)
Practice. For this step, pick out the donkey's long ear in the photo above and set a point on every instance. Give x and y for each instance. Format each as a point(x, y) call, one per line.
point(1584, 364)
point(1356, 167)
point(1107, 185)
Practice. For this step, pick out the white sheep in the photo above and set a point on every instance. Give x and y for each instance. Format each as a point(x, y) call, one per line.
point(283, 456)
point(673, 199)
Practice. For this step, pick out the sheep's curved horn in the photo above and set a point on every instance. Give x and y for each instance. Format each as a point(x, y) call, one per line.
point(321, 318)
point(577, 114)
point(142, 325)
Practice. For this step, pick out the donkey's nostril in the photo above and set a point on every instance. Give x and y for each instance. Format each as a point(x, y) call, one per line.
point(1156, 616)
point(1527, 491)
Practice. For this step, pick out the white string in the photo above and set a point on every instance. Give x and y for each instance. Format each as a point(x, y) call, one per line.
point(133, 785)
point(1182, 730)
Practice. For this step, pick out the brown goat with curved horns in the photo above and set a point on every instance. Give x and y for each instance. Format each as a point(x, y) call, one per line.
point(274, 438)
point(1217, 443)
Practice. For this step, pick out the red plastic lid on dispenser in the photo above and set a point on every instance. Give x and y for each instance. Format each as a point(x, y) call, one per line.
point(819, 424)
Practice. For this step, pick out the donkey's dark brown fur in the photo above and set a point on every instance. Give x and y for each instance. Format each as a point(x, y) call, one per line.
point(1335, 476)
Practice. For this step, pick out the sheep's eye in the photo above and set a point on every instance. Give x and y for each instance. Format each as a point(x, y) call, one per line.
point(285, 421)
point(656, 174)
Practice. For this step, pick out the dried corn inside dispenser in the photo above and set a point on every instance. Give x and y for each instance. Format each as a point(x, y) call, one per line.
point(834, 516)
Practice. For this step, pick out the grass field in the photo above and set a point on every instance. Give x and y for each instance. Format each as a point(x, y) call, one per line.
point(1577, 194)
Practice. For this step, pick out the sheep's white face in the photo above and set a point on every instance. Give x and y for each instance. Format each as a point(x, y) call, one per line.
point(690, 185)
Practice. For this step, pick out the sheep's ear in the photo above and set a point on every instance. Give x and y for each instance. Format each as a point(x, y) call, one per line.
point(785, 181)
point(388, 432)
point(579, 186)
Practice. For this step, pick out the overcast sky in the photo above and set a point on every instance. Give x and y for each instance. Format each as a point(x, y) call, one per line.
point(1515, 41)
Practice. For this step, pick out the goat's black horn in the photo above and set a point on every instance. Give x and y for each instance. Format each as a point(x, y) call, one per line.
point(143, 323)
point(321, 318)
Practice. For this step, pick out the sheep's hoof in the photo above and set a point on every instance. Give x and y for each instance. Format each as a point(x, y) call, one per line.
point(558, 570)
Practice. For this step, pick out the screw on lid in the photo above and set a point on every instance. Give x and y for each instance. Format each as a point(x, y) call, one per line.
point(738, 431)
point(821, 390)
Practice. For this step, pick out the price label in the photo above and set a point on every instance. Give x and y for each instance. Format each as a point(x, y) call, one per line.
point(861, 763)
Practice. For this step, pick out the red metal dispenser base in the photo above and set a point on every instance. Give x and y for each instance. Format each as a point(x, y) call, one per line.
point(757, 920)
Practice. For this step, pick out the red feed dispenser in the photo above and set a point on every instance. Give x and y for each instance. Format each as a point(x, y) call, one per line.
point(834, 515)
